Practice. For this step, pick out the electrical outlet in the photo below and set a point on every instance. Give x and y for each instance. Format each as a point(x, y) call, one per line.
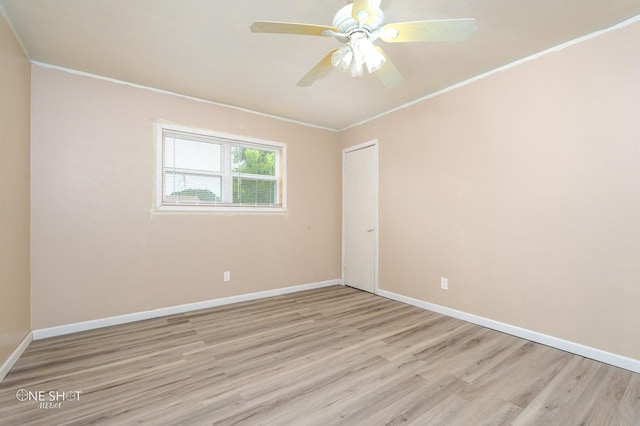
point(444, 283)
point(227, 276)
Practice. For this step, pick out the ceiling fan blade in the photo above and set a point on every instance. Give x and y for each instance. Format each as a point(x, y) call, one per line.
point(365, 11)
point(321, 69)
point(291, 28)
point(442, 30)
point(388, 74)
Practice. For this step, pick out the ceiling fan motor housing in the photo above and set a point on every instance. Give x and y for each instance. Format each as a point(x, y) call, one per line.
point(345, 23)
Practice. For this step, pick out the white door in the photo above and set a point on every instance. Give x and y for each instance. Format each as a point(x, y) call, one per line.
point(360, 216)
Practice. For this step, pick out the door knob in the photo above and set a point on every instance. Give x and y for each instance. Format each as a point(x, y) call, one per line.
point(370, 230)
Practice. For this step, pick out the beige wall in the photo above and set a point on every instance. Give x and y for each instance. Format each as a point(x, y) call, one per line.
point(523, 189)
point(14, 175)
point(97, 248)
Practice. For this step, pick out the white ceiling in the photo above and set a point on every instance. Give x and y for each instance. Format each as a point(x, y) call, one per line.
point(204, 48)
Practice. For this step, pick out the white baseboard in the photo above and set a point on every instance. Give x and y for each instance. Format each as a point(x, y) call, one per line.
point(60, 330)
point(17, 353)
point(555, 342)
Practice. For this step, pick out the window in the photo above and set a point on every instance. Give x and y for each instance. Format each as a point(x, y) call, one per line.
point(206, 171)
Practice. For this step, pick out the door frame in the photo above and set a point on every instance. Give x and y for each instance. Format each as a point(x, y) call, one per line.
point(374, 144)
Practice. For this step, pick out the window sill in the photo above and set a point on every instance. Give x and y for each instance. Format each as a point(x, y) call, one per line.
point(219, 209)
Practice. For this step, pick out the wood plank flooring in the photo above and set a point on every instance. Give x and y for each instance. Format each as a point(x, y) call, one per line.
point(328, 356)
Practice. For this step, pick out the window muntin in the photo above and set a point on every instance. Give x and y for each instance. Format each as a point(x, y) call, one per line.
point(201, 170)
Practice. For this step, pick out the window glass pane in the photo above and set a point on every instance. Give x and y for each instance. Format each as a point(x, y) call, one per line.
point(253, 161)
point(184, 188)
point(194, 155)
point(254, 191)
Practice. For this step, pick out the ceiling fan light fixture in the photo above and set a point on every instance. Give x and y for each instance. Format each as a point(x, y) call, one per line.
point(354, 56)
point(357, 67)
point(372, 58)
point(342, 58)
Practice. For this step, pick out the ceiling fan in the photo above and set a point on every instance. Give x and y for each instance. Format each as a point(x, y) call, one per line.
point(357, 25)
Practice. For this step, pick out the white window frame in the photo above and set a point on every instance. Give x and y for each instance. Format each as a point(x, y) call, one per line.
point(228, 139)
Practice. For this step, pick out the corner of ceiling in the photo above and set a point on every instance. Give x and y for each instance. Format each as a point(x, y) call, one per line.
point(13, 30)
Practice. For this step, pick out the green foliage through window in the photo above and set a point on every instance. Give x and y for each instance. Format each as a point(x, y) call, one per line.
point(254, 162)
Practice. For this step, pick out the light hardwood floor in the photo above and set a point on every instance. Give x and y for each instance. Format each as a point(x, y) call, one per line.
point(321, 357)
